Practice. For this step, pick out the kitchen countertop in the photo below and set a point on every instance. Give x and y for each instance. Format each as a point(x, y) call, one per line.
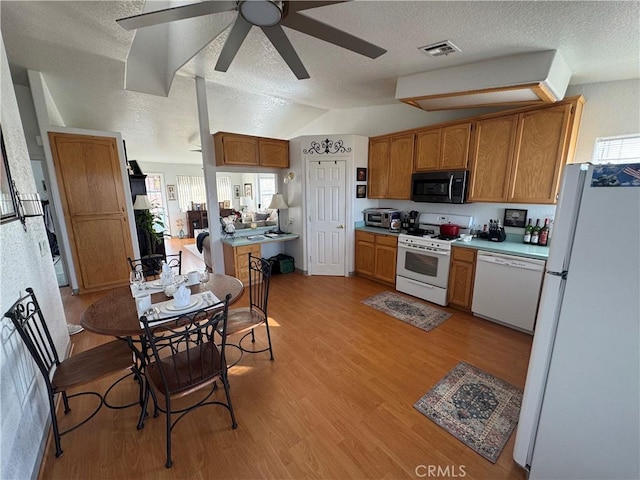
point(508, 248)
point(239, 241)
point(377, 230)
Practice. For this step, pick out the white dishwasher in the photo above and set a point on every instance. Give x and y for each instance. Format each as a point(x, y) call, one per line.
point(507, 288)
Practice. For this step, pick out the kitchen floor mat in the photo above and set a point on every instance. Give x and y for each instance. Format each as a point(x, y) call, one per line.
point(477, 408)
point(412, 311)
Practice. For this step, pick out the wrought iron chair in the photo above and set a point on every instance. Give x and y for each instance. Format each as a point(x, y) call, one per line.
point(76, 371)
point(188, 354)
point(151, 266)
point(247, 319)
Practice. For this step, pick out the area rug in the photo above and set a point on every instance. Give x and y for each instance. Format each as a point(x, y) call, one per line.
point(413, 312)
point(477, 408)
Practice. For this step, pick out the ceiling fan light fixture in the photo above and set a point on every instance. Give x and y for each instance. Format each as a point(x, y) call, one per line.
point(262, 13)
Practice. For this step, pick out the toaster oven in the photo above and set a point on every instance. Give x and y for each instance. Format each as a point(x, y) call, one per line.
point(380, 217)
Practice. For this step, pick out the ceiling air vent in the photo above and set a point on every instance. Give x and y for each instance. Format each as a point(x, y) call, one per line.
point(439, 49)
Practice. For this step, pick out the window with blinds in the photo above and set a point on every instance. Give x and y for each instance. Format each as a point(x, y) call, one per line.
point(616, 150)
point(190, 190)
point(224, 189)
point(266, 189)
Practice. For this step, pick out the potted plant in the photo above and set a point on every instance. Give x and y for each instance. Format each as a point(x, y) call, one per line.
point(152, 227)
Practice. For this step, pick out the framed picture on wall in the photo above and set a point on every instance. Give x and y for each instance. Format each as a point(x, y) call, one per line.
point(248, 190)
point(171, 192)
point(515, 218)
point(361, 174)
point(361, 191)
point(236, 191)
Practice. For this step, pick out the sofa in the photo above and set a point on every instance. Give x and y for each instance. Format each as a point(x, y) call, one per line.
point(203, 242)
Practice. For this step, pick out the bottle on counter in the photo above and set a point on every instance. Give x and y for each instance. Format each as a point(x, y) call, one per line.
point(535, 233)
point(527, 233)
point(544, 234)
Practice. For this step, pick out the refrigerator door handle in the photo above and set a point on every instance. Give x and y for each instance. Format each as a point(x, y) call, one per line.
point(563, 274)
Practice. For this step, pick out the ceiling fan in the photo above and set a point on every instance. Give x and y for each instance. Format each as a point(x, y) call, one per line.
point(270, 16)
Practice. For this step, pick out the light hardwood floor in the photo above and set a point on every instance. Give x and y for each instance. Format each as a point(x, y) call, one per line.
point(336, 403)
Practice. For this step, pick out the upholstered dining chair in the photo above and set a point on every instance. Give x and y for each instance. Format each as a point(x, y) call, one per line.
point(151, 266)
point(75, 371)
point(188, 353)
point(245, 320)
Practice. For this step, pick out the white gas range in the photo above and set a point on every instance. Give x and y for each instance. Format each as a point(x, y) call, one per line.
point(422, 268)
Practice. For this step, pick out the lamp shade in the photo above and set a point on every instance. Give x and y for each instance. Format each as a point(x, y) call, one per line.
point(277, 202)
point(142, 203)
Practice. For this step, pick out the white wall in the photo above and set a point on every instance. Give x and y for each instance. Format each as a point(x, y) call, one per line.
point(25, 411)
point(611, 108)
point(379, 119)
point(29, 122)
point(295, 193)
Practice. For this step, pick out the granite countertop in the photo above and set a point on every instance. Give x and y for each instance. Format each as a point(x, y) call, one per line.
point(507, 247)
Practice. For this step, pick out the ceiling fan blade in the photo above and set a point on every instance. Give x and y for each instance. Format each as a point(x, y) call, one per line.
point(236, 36)
point(306, 5)
point(175, 13)
point(325, 32)
point(285, 49)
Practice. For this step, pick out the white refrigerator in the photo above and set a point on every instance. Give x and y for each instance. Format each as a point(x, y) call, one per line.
point(580, 415)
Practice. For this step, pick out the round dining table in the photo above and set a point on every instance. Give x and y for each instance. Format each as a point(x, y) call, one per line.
point(116, 315)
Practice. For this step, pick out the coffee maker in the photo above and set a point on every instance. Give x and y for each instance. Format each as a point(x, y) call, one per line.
point(412, 227)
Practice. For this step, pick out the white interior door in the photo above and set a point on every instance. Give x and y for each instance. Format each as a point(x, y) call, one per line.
point(327, 217)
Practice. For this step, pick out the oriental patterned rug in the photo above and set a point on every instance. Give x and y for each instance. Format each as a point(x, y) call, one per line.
point(477, 408)
point(409, 310)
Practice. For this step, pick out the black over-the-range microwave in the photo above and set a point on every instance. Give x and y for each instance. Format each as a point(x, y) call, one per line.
point(439, 187)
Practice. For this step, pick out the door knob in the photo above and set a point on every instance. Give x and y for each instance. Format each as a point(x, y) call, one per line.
point(340, 226)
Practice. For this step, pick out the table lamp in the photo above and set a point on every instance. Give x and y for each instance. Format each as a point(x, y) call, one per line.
point(278, 203)
point(142, 203)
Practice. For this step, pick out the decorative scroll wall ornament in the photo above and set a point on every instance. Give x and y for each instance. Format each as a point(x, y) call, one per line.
point(327, 147)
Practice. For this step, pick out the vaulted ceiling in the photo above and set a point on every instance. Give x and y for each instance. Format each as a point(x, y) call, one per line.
point(81, 52)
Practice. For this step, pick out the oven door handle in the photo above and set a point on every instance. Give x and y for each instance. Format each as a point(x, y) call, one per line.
point(450, 187)
point(419, 284)
point(444, 253)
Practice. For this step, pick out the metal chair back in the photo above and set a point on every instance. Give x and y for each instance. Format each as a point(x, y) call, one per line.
point(27, 317)
point(259, 279)
point(151, 266)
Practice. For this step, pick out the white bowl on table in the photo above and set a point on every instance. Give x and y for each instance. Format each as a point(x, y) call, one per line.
point(465, 237)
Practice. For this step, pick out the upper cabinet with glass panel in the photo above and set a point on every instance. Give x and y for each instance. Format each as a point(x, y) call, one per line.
point(246, 150)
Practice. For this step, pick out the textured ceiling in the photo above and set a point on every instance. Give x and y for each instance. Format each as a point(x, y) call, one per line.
point(81, 52)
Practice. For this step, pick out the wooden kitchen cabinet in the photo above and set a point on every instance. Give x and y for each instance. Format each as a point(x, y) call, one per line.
point(541, 143)
point(246, 150)
point(236, 260)
point(518, 158)
point(461, 277)
point(493, 146)
point(273, 152)
point(376, 256)
point(365, 253)
point(444, 148)
point(378, 167)
point(390, 166)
